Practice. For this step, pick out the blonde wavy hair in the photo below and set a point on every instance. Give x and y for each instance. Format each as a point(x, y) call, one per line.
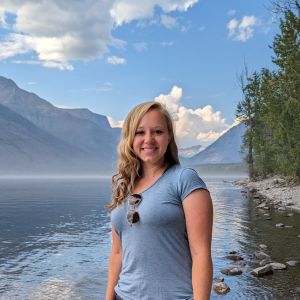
point(129, 165)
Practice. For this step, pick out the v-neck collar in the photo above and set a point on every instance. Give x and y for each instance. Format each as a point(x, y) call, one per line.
point(157, 180)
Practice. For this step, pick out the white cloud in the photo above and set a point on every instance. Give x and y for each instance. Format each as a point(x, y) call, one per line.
point(140, 47)
point(168, 21)
point(59, 32)
point(14, 44)
point(114, 123)
point(242, 30)
point(115, 60)
point(193, 126)
point(124, 11)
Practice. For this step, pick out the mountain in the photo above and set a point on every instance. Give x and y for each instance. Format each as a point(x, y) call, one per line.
point(189, 151)
point(23, 145)
point(226, 149)
point(77, 134)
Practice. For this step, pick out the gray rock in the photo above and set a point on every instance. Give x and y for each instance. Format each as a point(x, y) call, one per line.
point(261, 271)
point(234, 257)
point(221, 288)
point(289, 215)
point(277, 266)
point(265, 262)
point(281, 208)
point(261, 206)
point(252, 190)
point(263, 246)
point(292, 263)
point(231, 271)
point(280, 225)
point(261, 255)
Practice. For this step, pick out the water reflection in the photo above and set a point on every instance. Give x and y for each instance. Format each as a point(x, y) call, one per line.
point(55, 240)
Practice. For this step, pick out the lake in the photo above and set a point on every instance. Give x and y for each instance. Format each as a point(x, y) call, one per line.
point(55, 240)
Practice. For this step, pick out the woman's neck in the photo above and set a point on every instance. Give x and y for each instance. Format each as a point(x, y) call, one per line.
point(153, 171)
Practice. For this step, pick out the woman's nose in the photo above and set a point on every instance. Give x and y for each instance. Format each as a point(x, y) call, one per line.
point(148, 136)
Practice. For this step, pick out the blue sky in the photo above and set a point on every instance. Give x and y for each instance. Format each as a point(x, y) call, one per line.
point(109, 56)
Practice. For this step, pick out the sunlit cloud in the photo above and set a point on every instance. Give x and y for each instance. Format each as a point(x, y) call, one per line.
point(80, 29)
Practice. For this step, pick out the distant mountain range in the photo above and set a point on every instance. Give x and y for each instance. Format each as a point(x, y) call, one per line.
point(37, 137)
point(226, 149)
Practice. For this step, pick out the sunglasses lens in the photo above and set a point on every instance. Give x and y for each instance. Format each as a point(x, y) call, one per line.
point(133, 217)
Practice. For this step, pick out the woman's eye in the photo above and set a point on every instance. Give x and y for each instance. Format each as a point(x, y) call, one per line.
point(139, 132)
point(158, 131)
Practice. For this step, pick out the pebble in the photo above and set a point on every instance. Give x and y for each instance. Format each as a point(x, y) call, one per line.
point(280, 225)
point(281, 208)
point(289, 215)
point(234, 257)
point(263, 246)
point(261, 255)
point(292, 263)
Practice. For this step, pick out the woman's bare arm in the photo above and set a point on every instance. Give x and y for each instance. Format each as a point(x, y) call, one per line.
point(115, 264)
point(198, 212)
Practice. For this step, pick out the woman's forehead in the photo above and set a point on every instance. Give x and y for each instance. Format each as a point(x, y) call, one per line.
point(153, 117)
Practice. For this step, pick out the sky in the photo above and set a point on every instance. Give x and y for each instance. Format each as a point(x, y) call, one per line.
point(110, 55)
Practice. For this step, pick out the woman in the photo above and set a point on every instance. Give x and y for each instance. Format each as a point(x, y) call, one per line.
point(161, 216)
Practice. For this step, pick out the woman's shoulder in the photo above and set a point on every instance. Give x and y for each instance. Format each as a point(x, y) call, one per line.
point(179, 170)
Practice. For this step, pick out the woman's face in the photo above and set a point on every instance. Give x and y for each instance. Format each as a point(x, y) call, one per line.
point(151, 138)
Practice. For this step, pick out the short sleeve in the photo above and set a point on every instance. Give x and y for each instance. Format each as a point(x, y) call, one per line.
point(189, 181)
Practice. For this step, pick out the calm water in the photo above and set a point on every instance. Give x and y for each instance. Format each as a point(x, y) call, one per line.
point(55, 240)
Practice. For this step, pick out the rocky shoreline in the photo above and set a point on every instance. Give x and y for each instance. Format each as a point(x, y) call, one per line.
point(282, 193)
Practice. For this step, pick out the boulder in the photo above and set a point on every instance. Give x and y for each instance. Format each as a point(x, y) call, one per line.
point(262, 271)
point(221, 288)
point(277, 266)
point(265, 262)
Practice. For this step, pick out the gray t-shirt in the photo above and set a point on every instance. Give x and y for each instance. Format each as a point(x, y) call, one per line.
point(156, 261)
